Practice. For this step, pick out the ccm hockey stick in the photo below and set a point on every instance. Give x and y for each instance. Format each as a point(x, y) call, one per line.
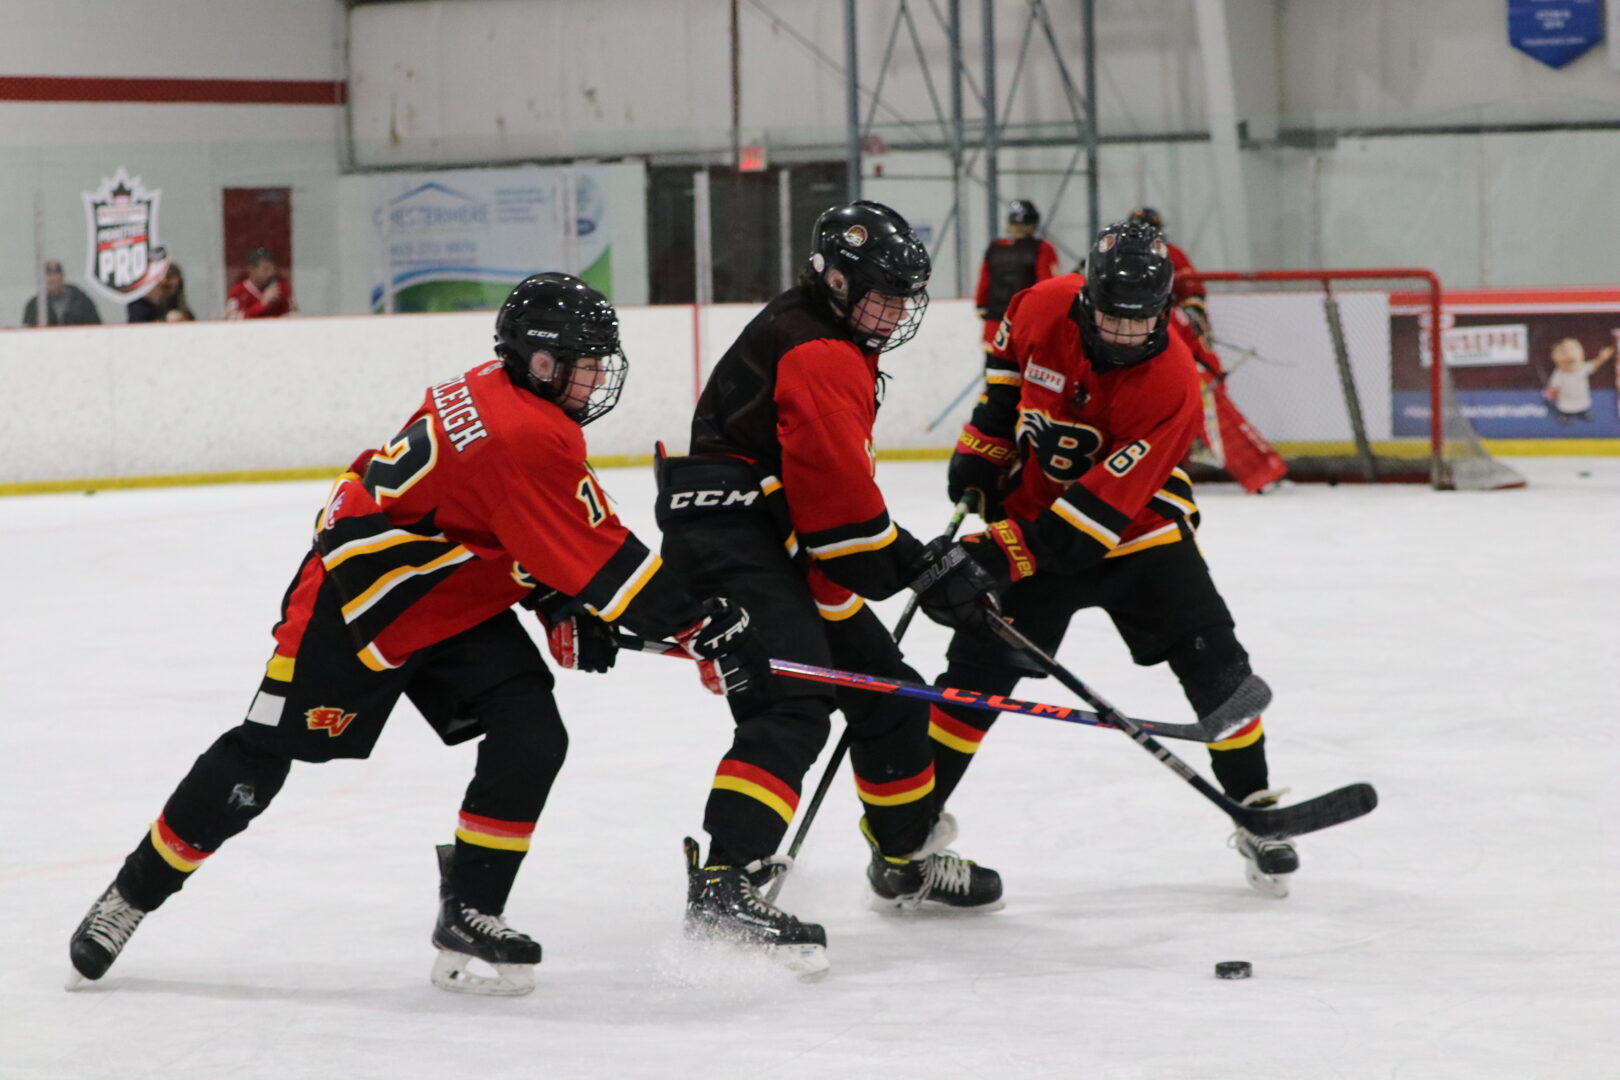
point(1324, 811)
point(974, 699)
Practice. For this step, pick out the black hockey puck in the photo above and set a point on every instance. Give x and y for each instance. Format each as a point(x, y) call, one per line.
point(1234, 969)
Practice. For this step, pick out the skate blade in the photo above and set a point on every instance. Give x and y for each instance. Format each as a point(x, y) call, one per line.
point(910, 906)
point(806, 961)
point(74, 980)
point(1273, 885)
point(453, 971)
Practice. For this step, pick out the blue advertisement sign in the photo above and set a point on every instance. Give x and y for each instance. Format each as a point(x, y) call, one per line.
point(1554, 31)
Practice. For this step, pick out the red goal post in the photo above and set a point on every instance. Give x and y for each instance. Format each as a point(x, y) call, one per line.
point(1343, 381)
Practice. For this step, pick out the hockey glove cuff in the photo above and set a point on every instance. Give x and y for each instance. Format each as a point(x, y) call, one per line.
point(731, 660)
point(1003, 550)
point(582, 641)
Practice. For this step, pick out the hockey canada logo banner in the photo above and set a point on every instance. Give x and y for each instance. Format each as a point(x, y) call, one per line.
point(123, 260)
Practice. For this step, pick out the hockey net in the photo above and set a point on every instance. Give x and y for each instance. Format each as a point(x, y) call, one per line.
point(1334, 368)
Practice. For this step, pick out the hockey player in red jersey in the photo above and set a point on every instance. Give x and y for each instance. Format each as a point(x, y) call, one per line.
point(1097, 401)
point(482, 501)
point(1012, 263)
point(778, 502)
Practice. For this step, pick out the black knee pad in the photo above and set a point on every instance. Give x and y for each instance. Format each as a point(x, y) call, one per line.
point(231, 784)
point(1211, 665)
point(523, 732)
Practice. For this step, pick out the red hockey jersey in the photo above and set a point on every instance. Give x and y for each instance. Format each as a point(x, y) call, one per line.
point(484, 496)
point(1098, 450)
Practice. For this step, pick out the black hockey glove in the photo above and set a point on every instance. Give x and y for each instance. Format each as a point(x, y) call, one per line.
point(731, 660)
point(978, 472)
point(952, 588)
point(582, 641)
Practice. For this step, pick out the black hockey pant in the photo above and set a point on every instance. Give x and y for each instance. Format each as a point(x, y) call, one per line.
point(522, 749)
point(1166, 608)
point(782, 727)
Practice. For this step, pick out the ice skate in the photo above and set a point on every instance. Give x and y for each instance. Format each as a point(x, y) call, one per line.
point(1267, 863)
point(931, 878)
point(102, 935)
point(464, 934)
point(723, 904)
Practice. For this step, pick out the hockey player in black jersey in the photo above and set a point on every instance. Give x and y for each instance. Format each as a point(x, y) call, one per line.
point(777, 500)
point(484, 501)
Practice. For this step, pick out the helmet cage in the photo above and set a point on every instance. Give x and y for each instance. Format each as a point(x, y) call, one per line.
point(577, 327)
point(876, 251)
point(1128, 276)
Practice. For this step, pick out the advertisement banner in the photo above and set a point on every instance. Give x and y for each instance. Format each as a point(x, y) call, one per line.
point(1554, 31)
point(459, 240)
point(1525, 364)
point(123, 259)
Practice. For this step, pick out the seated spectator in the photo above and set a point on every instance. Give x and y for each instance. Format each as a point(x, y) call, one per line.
point(263, 294)
point(65, 305)
point(166, 302)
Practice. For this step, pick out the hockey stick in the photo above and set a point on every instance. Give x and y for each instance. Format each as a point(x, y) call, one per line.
point(975, 699)
point(1324, 811)
point(955, 401)
point(943, 695)
point(837, 758)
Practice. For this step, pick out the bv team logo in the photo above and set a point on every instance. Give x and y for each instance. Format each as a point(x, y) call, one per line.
point(123, 259)
point(325, 718)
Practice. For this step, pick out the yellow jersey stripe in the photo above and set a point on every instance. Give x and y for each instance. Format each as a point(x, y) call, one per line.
point(1103, 535)
point(380, 542)
point(840, 612)
point(857, 545)
point(627, 592)
point(1164, 534)
point(1238, 742)
point(380, 588)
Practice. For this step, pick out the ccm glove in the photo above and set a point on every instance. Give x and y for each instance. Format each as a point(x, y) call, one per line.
point(979, 470)
point(582, 641)
point(731, 660)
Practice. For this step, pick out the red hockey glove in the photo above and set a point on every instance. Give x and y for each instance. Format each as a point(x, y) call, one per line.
point(979, 470)
point(731, 660)
point(582, 641)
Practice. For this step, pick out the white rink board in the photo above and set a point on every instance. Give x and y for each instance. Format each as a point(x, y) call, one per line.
point(212, 397)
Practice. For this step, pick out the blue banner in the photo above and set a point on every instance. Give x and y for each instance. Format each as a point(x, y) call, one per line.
point(1554, 31)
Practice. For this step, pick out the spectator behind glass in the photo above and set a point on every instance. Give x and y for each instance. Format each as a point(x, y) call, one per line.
point(66, 305)
point(263, 294)
point(166, 302)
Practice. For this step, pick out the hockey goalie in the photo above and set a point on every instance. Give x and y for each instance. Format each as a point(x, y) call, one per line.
point(1230, 442)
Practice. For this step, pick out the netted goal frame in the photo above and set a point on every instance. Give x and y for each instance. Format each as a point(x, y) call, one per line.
point(1457, 458)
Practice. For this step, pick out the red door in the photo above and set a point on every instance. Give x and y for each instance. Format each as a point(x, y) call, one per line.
point(257, 218)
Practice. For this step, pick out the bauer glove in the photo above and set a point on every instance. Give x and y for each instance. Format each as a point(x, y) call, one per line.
point(979, 470)
point(731, 660)
point(952, 588)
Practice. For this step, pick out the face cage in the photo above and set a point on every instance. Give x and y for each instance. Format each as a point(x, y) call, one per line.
point(904, 330)
point(1106, 356)
point(609, 376)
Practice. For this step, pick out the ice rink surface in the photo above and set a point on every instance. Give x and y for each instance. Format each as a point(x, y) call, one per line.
point(1459, 651)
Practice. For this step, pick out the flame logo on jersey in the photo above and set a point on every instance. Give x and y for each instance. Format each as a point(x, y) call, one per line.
point(1063, 450)
point(325, 718)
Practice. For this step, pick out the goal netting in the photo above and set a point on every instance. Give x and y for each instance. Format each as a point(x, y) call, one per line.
point(1334, 368)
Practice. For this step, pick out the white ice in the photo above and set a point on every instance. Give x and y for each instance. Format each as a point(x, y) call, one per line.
point(1458, 651)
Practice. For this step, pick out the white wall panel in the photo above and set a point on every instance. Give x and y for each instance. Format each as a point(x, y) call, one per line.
point(165, 400)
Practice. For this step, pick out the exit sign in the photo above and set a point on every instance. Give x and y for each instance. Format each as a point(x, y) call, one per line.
point(750, 159)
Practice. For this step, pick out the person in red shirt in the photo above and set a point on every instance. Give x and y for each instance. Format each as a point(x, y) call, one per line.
point(1187, 292)
point(482, 501)
point(264, 293)
point(1012, 263)
point(778, 501)
point(1097, 403)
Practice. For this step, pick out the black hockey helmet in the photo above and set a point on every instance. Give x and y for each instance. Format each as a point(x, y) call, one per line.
point(877, 252)
point(1148, 216)
point(1023, 212)
point(1128, 276)
point(562, 316)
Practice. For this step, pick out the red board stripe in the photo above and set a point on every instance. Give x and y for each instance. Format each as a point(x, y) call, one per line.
point(174, 91)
